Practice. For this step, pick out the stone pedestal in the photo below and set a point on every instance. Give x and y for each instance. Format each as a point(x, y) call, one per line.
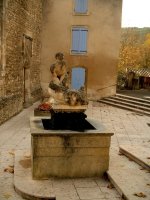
point(66, 153)
point(41, 113)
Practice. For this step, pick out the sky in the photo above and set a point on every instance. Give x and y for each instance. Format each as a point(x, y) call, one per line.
point(136, 13)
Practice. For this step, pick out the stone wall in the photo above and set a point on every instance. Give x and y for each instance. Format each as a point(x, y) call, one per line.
point(1, 80)
point(1, 4)
point(21, 18)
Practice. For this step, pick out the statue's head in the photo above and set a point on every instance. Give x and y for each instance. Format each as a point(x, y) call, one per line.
point(59, 56)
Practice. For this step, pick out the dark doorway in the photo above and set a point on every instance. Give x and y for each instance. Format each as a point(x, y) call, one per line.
point(27, 59)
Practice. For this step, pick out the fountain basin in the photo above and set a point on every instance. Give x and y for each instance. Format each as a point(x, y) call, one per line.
point(68, 153)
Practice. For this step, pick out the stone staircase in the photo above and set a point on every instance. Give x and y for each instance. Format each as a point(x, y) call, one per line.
point(129, 172)
point(135, 104)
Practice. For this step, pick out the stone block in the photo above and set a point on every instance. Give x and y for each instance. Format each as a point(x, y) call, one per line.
point(68, 140)
point(38, 112)
point(69, 166)
point(66, 153)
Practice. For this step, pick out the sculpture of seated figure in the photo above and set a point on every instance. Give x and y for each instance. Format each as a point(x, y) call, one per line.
point(59, 90)
point(59, 82)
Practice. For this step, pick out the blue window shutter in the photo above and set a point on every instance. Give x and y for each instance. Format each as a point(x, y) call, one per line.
point(75, 40)
point(79, 40)
point(77, 6)
point(81, 6)
point(83, 40)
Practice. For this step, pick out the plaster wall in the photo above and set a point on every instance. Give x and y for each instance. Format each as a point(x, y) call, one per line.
point(104, 25)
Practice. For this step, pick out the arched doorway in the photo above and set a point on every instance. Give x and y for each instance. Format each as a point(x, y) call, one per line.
point(78, 77)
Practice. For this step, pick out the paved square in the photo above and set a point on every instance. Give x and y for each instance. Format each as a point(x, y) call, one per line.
point(129, 128)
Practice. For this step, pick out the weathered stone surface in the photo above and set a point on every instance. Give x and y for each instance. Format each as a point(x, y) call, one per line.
point(128, 178)
point(18, 18)
point(56, 188)
point(65, 153)
point(139, 155)
point(68, 108)
point(10, 106)
point(68, 151)
point(23, 183)
point(41, 113)
point(69, 166)
point(81, 140)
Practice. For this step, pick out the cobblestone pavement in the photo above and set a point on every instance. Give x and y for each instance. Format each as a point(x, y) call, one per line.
point(129, 128)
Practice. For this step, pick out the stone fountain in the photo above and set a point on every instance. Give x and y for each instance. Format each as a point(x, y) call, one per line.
point(67, 143)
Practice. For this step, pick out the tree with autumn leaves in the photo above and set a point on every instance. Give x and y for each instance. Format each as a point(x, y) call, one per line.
point(135, 48)
point(146, 51)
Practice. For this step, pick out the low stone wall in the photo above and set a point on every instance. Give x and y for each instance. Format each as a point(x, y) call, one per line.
point(10, 106)
point(66, 153)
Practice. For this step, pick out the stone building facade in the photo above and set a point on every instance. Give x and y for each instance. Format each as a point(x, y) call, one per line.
point(88, 33)
point(20, 44)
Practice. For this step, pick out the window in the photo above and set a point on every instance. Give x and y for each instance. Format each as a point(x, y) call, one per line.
point(79, 40)
point(78, 76)
point(81, 6)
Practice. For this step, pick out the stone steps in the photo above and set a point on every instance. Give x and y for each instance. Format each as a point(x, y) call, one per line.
point(132, 101)
point(130, 105)
point(125, 107)
point(128, 178)
point(141, 157)
point(138, 105)
point(133, 98)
